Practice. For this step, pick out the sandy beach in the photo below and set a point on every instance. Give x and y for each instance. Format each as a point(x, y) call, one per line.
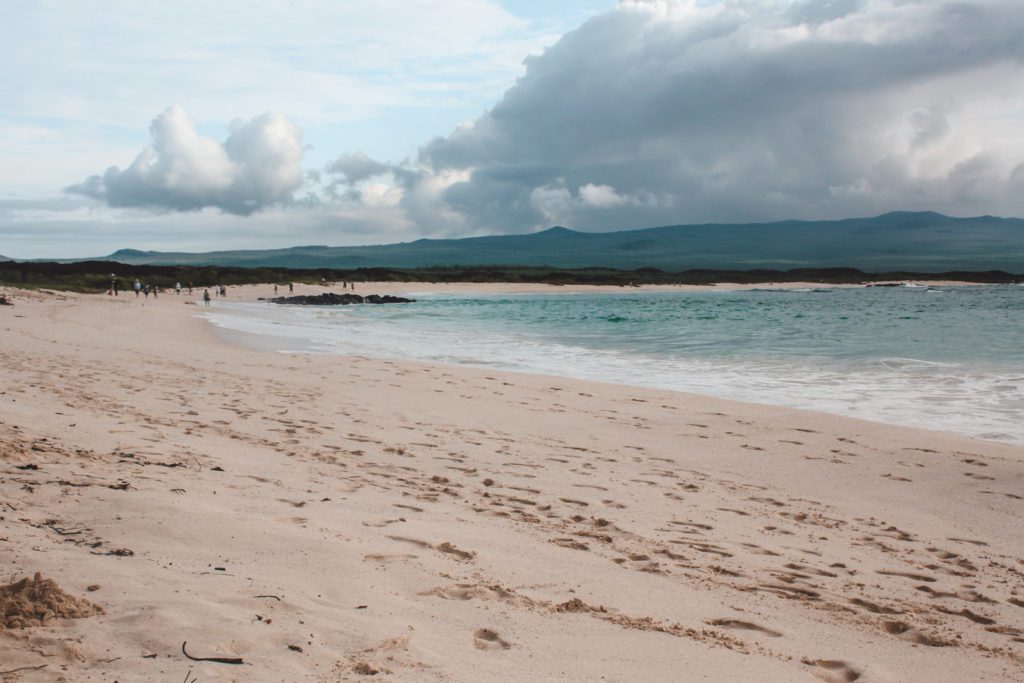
point(325, 518)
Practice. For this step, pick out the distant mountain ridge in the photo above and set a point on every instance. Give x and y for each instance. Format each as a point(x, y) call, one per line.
point(917, 241)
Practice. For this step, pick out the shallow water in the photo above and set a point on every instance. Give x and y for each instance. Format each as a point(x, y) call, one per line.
point(948, 358)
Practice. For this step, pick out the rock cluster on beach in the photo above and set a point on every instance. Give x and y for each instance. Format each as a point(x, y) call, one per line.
point(333, 299)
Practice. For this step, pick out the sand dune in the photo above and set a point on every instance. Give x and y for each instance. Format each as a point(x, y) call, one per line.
point(325, 518)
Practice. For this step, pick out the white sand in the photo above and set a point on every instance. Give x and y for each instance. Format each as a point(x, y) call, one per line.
point(441, 523)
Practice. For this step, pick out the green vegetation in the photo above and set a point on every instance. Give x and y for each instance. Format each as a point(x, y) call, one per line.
point(94, 276)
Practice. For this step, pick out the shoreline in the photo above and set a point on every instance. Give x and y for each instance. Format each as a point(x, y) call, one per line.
point(410, 288)
point(995, 432)
point(430, 522)
point(395, 286)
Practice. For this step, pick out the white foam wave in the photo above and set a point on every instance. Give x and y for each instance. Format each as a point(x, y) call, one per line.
point(975, 400)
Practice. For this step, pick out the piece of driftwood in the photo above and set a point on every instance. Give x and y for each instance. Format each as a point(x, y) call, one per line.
point(219, 660)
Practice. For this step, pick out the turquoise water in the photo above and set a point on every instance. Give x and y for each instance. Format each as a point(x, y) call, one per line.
point(947, 358)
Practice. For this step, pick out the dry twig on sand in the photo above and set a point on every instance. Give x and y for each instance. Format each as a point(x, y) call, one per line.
point(219, 660)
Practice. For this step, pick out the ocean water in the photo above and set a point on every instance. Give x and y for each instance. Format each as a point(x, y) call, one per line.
point(948, 358)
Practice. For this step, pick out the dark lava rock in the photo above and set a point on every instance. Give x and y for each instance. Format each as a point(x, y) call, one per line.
point(332, 299)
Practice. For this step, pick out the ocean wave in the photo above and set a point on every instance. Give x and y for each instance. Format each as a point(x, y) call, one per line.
point(680, 345)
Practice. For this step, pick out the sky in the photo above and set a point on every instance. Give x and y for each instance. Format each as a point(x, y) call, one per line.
point(196, 126)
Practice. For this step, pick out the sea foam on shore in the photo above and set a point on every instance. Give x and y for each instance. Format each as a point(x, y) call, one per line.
point(939, 358)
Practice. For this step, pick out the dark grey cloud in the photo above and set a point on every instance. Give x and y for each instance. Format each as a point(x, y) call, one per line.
point(821, 11)
point(660, 113)
point(356, 167)
point(256, 166)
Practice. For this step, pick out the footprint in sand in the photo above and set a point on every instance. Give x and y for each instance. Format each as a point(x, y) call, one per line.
point(967, 540)
point(458, 592)
point(570, 543)
point(383, 523)
point(449, 549)
point(744, 626)
point(910, 634)
point(695, 525)
point(469, 591)
point(387, 559)
point(907, 575)
point(486, 639)
point(411, 541)
point(834, 671)
point(874, 607)
point(968, 614)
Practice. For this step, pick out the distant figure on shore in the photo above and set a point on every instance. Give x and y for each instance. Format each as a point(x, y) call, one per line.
point(291, 287)
point(156, 290)
point(177, 288)
point(275, 290)
point(206, 297)
point(113, 284)
point(223, 291)
point(145, 290)
point(137, 287)
point(190, 288)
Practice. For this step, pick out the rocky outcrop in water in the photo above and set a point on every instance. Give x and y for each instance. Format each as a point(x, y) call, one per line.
point(333, 299)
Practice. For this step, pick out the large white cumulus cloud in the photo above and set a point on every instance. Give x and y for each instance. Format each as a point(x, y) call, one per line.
point(665, 112)
point(259, 164)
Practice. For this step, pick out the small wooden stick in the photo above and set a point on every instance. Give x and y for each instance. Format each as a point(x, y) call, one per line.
point(219, 660)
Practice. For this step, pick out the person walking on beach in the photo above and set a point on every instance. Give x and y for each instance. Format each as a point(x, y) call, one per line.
point(206, 297)
point(155, 291)
point(177, 288)
point(291, 287)
point(145, 290)
point(137, 287)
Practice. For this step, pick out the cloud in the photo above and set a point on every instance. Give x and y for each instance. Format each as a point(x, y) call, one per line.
point(367, 70)
point(258, 165)
point(356, 166)
point(601, 196)
point(669, 112)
